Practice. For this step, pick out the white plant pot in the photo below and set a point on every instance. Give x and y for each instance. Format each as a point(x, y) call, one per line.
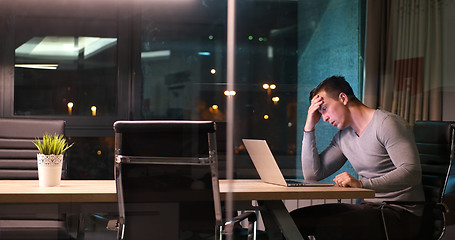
point(49, 169)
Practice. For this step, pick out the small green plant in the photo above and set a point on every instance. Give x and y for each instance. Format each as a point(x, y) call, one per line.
point(55, 144)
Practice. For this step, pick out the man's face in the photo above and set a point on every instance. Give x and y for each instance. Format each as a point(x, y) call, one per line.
point(333, 111)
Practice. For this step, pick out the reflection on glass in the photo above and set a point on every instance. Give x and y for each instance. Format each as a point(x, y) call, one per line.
point(93, 109)
point(69, 63)
point(183, 60)
point(70, 108)
point(56, 48)
point(91, 158)
point(63, 75)
point(185, 78)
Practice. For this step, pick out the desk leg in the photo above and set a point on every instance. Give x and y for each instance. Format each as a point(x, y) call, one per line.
point(80, 227)
point(276, 217)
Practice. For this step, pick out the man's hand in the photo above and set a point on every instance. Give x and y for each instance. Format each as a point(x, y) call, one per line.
point(313, 115)
point(346, 180)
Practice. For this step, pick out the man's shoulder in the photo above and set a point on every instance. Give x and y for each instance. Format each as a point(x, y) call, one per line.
point(389, 123)
point(382, 116)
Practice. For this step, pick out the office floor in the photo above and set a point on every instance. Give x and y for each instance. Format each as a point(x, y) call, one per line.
point(95, 228)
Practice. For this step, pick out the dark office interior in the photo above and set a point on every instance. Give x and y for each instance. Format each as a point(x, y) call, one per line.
point(92, 63)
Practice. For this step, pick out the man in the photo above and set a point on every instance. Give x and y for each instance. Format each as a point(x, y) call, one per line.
point(380, 147)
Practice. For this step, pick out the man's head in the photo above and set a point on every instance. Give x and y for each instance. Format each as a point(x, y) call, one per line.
point(333, 86)
point(334, 94)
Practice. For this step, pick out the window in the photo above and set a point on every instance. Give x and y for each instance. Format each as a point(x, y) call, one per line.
point(67, 65)
point(65, 75)
point(92, 63)
point(183, 58)
point(183, 66)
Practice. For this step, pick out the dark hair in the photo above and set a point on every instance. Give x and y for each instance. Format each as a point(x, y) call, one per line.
point(333, 86)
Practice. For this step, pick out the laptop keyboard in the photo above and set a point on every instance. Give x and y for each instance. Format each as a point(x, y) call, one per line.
point(294, 183)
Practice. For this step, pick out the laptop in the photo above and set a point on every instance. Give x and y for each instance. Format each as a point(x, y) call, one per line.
point(268, 169)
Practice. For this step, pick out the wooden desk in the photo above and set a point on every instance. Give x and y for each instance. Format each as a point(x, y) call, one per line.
point(257, 190)
point(72, 196)
point(274, 213)
point(80, 191)
point(70, 191)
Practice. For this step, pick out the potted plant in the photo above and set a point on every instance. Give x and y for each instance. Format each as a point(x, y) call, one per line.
point(50, 158)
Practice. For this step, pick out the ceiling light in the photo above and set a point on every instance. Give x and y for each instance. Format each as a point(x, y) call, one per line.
point(37, 66)
point(63, 48)
point(229, 93)
point(161, 54)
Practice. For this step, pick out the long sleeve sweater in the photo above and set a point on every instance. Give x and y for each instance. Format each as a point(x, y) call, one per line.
point(385, 156)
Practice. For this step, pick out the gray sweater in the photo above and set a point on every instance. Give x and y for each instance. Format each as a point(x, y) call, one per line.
point(385, 156)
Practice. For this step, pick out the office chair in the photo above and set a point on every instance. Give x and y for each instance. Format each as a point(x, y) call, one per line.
point(18, 161)
point(167, 182)
point(435, 142)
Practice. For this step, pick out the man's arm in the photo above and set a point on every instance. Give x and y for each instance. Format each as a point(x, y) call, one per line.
point(319, 166)
point(315, 166)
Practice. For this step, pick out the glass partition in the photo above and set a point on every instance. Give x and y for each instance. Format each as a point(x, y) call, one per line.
point(183, 69)
point(167, 60)
point(66, 64)
point(94, 62)
point(68, 68)
point(183, 58)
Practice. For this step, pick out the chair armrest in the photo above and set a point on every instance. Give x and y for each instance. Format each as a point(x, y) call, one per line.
point(229, 225)
point(442, 206)
point(112, 225)
point(250, 215)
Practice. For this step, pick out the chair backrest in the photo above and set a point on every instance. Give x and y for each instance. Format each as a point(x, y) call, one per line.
point(17, 152)
point(166, 176)
point(435, 142)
